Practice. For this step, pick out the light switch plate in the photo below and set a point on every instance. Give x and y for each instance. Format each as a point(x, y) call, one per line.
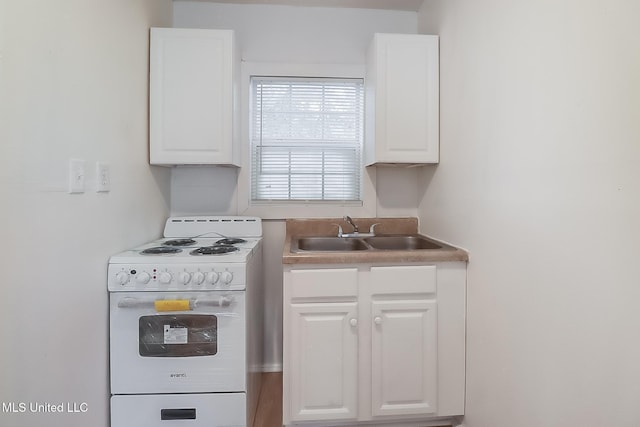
point(76, 176)
point(103, 177)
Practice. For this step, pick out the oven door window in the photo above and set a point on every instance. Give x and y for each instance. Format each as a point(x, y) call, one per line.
point(179, 335)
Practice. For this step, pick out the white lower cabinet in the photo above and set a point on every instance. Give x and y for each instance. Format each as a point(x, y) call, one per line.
point(321, 314)
point(403, 357)
point(324, 373)
point(366, 344)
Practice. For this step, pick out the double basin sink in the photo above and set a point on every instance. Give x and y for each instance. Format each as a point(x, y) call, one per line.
point(373, 243)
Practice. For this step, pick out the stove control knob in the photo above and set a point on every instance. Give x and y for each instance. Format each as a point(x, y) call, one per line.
point(198, 277)
point(165, 277)
point(143, 278)
point(122, 277)
point(226, 277)
point(212, 277)
point(184, 277)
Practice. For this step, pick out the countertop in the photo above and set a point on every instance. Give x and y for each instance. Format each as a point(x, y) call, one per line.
point(386, 226)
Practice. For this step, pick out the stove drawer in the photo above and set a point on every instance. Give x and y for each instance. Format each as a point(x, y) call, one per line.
point(172, 410)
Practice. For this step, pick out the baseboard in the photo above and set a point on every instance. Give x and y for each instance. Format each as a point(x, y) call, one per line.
point(273, 367)
point(458, 421)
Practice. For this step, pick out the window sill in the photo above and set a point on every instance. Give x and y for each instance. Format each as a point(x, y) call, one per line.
point(267, 210)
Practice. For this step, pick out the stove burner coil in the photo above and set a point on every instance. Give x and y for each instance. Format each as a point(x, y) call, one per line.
point(179, 242)
point(214, 250)
point(230, 241)
point(160, 250)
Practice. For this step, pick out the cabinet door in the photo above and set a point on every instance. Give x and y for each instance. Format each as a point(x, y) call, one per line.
point(323, 355)
point(191, 96)
point(403, 99)
point(404, 357)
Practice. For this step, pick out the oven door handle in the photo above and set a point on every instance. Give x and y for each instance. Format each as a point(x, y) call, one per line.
point(223, 301)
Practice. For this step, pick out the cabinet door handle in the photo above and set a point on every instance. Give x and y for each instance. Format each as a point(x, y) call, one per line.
point(377, 320)
point(353, 322)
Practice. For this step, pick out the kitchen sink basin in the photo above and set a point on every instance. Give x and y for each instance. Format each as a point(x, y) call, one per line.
point(373, 243)
point(401, 243)
point(325, 244)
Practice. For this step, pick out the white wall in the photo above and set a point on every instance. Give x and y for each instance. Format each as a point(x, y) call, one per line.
point(292, 34)
point(73, 84)
point(287, 34)
point(539, 179)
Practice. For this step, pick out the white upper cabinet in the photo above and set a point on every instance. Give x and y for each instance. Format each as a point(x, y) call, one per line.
point(192, 117)
point(402, 90)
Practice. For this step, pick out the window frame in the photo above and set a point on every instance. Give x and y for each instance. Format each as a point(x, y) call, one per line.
point(333, 161)
point(296, 209)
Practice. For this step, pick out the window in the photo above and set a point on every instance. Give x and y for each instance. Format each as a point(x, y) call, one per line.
point(306, 139)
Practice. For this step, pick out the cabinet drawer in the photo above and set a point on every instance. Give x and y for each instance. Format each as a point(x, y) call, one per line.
point(419, 279)
point(318, 283)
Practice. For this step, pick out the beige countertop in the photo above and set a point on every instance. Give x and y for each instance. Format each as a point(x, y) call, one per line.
point(296, 228)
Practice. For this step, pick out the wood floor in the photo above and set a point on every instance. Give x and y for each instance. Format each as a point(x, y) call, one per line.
point(269, 412)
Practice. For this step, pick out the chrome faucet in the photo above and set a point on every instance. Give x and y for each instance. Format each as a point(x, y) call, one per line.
point(350, 221)
point(356, 232)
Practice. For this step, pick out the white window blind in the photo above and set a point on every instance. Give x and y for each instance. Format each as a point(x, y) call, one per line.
point(306, 139)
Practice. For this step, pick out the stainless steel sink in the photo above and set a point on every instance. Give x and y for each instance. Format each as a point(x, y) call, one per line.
point(401, 243)
point(325, 244)
point(375, 243)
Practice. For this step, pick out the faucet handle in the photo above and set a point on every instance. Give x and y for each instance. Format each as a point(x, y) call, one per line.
point(340, 232)
point(372, 229)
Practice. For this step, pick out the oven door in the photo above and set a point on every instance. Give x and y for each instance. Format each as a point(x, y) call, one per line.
point(163, 342)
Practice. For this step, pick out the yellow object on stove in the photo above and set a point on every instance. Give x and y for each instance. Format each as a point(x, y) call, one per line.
point(173, 305)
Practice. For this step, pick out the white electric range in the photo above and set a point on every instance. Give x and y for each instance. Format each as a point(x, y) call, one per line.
point(185, 325)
